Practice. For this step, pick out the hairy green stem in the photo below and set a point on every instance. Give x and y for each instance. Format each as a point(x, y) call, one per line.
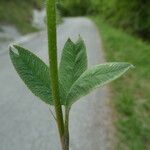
point(52, 47)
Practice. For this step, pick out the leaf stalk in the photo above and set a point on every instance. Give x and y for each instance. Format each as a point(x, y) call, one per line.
point(66, 127)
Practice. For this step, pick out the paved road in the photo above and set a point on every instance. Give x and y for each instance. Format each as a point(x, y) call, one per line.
point(26, 123)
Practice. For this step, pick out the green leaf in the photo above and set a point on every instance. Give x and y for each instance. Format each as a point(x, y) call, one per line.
point(73, 64)
point(34, 72)
point(96, 77)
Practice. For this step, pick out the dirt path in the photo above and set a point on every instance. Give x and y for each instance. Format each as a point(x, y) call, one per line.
point(26, 123)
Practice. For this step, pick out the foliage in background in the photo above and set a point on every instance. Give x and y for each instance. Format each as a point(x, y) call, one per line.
point(133, 16)
point(131, 95)
point(19, 13)
point(74, 7)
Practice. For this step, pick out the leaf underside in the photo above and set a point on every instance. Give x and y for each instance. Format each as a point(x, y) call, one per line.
point(34, 72)
point(95, 77)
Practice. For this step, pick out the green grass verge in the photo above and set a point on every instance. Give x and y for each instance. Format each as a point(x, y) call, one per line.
point(131, 93)
point(19, 13)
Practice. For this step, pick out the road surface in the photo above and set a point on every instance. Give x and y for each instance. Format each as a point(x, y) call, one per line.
point(25, 121)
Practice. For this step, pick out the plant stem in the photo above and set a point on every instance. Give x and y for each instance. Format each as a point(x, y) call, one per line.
point(67, 110)
point(52, 47)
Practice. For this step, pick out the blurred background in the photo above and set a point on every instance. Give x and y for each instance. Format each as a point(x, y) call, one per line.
point(124, 28)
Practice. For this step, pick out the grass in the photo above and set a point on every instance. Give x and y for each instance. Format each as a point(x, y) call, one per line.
point(19, 13)
point(131, 93)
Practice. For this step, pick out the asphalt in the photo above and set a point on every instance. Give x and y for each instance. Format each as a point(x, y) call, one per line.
point(25, 121)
